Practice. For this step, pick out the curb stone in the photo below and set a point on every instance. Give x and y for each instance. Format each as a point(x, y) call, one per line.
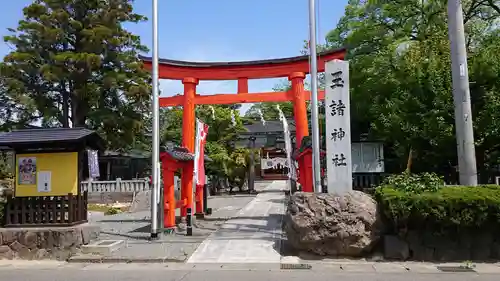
point(409, 267)
point(160, 264)
point(97, 259)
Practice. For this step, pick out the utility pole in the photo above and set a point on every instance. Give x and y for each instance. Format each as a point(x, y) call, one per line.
point(314, 97)
point(461, 95)
point(156, 129)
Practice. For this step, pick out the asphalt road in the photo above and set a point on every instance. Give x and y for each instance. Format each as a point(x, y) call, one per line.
point(154, 272)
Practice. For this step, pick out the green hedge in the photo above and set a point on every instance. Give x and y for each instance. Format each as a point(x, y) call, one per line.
point(447, 209)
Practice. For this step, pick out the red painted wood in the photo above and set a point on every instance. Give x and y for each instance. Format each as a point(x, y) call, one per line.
point(237, 98)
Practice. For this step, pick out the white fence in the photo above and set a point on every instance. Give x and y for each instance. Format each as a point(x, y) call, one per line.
point(116, 186)
point(120, 185)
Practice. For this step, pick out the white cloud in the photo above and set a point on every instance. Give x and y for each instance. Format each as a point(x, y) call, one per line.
point(216, 53)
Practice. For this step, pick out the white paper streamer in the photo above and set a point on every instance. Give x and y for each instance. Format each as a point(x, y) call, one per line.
point(282, 116)
point(213, 111)
point(261, 117)
point(233, 118)
point(292, 173)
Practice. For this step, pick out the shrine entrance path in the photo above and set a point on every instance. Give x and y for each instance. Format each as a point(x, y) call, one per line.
point(253, 235)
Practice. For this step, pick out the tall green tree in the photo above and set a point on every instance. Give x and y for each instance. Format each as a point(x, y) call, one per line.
point(400, 78)
point(74, 63)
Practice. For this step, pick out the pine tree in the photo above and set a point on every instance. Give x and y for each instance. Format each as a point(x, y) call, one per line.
point(74, 62)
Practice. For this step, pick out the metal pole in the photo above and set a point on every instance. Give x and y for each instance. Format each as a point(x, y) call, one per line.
point(251, 166)
point(314, 97)
point(156, 128)
point(461, 95)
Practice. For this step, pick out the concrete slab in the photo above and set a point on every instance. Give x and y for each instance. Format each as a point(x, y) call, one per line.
point(103, 247)
point(253, 236)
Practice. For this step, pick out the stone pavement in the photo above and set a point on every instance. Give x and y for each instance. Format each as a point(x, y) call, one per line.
point(134, 228)
point(253, 236)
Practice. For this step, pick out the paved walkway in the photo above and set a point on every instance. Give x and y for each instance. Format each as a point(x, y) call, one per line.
point(253, 236)
point(134, 228)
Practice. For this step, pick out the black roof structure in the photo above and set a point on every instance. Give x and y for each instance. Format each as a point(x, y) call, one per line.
point(270, 128)
point(50, 137)
point(182, 154)
point(134, 153)
point(239, 63)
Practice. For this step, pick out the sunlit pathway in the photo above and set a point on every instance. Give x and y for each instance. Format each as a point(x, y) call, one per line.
point(252, 236)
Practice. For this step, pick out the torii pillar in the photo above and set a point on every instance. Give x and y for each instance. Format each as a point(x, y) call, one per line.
point(301, 124)
point(188, 140)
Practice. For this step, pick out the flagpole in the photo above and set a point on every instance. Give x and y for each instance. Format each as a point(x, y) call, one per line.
point(314, 97)
point(156, 128)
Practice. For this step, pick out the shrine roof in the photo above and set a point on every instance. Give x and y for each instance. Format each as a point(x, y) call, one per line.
point(269, 68)
point(50, 136)
point(270, 127)
point(134, 153)
point(182, 154)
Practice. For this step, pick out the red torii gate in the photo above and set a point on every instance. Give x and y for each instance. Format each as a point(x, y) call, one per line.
point(190, 73)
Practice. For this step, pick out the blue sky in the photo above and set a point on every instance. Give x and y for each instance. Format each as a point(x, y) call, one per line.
point(219, 30)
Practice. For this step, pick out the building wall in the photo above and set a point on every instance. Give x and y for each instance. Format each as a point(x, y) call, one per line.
point(367, 157)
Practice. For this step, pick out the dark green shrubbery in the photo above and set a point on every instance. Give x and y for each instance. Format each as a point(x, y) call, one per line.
point(418, 203)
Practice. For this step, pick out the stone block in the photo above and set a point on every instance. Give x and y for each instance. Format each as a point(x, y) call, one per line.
point(6, 253)
point(495, 250)
point(4, 249)
point(44, 242)
point(413, 238)
point(89, 233)
point(468, 245)
point(41, 254)
point(395, 248)
point(481, 253)
point(421, 253)
point(8, 236)
point(16, 246)
point(28, 239)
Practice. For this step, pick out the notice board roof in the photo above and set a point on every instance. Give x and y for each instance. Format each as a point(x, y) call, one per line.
point(50, 137)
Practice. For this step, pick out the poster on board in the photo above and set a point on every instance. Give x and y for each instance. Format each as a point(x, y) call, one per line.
point(44, 181)
point(26, 171)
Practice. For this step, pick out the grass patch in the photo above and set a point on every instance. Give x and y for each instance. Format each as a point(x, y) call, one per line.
point(106, 209)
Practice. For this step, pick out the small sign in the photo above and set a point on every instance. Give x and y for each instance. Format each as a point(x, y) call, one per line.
point(44, 181)
point(338, 127)
point(93, 163)
point(26, 172)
